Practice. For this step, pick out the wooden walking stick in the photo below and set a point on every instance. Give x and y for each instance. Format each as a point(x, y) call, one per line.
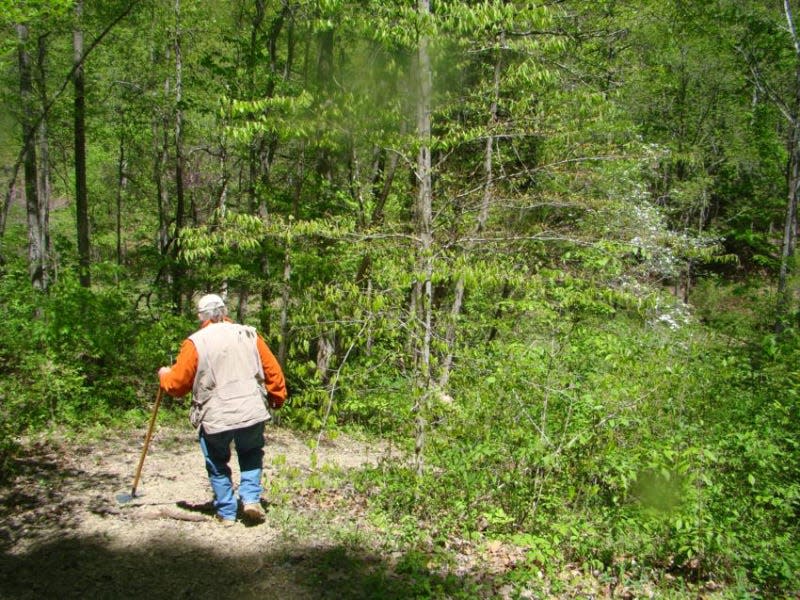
point(122, 498)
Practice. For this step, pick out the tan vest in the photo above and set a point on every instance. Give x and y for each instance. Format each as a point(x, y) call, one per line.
point(228, 391)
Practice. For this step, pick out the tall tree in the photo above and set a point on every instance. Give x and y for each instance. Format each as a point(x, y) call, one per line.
point(422, 311)
point(37, 258)
point(81, 192)
point(180, 200)
point(792, 113)
point(43, 155)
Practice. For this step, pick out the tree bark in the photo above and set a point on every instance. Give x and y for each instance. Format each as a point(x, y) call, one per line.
point(793, 184)
point(43, 164)
point(422, 292)
point(180, 202)
point(81, 193)
point(325, 161)
point(283, 346)
point(161, 127)
point(36, 257)
point(11, 192)
point(789, 229)
point(161, 152)
point(122, 185)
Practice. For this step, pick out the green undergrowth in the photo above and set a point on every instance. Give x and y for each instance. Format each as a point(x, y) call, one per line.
point(365, 551)
point(639, 453)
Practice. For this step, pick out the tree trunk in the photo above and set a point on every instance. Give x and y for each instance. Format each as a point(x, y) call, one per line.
point(283, 346)
point(424, 229)
point(43, 165)
point(11, 193)
point(122, 185)
point(326, 352)
point(325, 161)
point(11, 190)
point(81, 194)
point(793, 181)
point(180, 202)
point(35, 249)
point(161, 152)
point(789, 229)
point(244, 298)
point(384, 172)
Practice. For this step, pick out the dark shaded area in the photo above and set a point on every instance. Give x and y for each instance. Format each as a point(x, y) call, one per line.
point(203, 508)
point(168, 568)
point(35, 503)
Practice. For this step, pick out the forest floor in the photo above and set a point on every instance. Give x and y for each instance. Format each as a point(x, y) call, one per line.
point(65, 534)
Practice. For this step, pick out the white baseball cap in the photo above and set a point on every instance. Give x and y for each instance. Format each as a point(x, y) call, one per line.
point(209, 302)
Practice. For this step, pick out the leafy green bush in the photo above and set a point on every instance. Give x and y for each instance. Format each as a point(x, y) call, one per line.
point(78, 356)
point(620, 445)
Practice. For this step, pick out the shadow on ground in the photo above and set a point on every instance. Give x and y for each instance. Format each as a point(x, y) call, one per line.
point(87, 568)
point(35, 501)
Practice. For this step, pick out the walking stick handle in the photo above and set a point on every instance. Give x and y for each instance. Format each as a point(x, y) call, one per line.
point(147, 439)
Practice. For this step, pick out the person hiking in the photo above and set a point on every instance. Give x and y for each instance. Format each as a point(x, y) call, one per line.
point(232, 375)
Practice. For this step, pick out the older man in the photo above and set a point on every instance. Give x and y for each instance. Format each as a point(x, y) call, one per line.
point(231, 373)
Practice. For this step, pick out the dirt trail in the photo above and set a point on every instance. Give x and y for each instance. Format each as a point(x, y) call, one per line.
point(63, 534)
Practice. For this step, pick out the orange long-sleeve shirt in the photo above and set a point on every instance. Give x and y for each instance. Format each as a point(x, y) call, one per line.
point(178, 381)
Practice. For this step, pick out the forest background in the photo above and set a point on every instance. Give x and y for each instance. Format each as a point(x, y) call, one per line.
point(546, 247)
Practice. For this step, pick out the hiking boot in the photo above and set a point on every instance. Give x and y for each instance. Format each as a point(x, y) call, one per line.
point(224, 522)
point(253, 513)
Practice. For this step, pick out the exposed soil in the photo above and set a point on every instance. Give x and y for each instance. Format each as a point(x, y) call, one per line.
point(64, 533)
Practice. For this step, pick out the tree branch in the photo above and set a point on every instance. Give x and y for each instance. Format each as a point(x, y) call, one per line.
point(792, 30)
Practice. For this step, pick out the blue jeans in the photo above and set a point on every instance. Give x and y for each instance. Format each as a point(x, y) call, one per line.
point(216, 448)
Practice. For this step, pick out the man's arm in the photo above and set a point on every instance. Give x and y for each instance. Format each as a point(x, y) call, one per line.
point(274, 381)
point(178, 379)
